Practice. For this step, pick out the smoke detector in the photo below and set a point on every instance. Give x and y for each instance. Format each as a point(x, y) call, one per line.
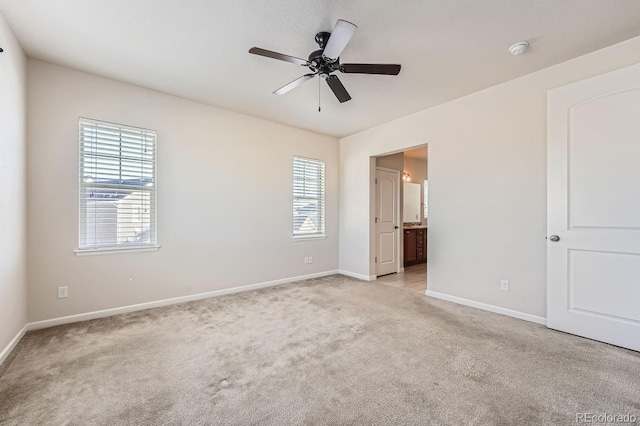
point(518, 48)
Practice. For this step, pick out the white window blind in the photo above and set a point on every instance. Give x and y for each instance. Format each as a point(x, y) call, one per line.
point(425, 203)
point(117, 186)
point(308, 198)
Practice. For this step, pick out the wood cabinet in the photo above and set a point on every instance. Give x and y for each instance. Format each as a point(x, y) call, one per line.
point(410, 252)
point(415, 246)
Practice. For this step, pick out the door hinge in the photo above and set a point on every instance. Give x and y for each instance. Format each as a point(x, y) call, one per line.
point(376, 259)
point(376, 220)
point(376, 181)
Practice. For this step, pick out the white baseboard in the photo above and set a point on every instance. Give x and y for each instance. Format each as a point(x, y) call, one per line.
point(165, 302)
point(12, 344)
point(486, 307)
point(358, 276)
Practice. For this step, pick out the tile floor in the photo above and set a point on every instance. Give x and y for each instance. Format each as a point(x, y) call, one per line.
point(414, 279)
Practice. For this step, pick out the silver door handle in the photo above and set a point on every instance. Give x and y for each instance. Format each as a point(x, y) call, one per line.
point(554, 238)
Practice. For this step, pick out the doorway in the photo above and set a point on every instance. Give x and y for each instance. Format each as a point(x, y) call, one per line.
point(400, 225)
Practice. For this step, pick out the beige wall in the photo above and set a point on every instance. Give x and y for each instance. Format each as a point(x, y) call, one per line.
point(224, 197)
point(13, 302)
point(487, 183)
point(393, 161)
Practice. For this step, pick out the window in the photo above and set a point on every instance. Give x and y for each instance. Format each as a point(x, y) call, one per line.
point(308, 198)
point(425, 203)
point(117, 186)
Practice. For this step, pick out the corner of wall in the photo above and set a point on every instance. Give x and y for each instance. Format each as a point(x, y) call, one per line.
point(13, 279)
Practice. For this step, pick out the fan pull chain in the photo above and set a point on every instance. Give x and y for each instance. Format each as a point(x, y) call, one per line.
point(319, 109)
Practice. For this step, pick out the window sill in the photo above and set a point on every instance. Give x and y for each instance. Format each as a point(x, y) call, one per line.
point(114, 250)
point(308, 237)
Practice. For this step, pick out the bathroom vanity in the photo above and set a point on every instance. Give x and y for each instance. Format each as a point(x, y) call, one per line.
point(415, 245)
point(414, 236)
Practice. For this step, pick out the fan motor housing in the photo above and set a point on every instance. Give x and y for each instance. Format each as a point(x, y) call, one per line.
point(318, 63)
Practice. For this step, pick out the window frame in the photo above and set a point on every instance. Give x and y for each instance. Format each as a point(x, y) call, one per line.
point(322, 201)
point(117, 248)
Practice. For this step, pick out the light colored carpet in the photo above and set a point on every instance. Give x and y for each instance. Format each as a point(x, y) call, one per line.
point(331, 350)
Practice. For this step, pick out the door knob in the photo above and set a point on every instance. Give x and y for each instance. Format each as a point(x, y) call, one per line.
point(395, 227)
point(554, 238)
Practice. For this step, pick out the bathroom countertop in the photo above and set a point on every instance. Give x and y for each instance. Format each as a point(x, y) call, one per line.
point(414, 227)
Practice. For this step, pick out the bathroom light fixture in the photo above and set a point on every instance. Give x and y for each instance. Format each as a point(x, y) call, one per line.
point(406, 176)
point(518, 48)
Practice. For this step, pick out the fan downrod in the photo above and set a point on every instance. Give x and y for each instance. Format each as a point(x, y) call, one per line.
point(322, 38)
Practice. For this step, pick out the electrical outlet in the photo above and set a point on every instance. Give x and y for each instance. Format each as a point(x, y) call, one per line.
point(310, 259)
point(63, 292)
point(306, 260)
point(504, 285)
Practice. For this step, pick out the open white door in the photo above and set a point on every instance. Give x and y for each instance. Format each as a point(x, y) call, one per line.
point(593, 249)
point(387, 220)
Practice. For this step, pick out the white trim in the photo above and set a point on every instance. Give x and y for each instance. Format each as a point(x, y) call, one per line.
point(302, 237)
point(113, 250)
point(386, 169)
point(486, 307)
point(165, 302)
point(13, 343)
point(358, 276)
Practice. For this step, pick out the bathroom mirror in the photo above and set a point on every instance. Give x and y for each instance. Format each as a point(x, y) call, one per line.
point(411, 202)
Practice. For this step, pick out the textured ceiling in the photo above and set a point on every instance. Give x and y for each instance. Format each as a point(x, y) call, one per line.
point(197, 49)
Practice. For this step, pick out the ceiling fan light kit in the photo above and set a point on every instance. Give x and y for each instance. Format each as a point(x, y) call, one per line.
point(326, 60)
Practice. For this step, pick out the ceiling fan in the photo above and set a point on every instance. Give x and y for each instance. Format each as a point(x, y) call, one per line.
point(325, 61)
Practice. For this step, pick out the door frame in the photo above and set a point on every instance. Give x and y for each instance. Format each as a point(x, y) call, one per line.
point(399, 267)
point(372, 210)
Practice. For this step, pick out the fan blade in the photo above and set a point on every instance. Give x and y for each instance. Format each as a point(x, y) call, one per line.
point(338, 89)
point(340, 36)
point(387, 69)
point(276, 55)
point(295, 83)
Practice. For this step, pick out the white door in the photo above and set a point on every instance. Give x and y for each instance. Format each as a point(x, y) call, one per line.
point(593, 166)
point(387, 221)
